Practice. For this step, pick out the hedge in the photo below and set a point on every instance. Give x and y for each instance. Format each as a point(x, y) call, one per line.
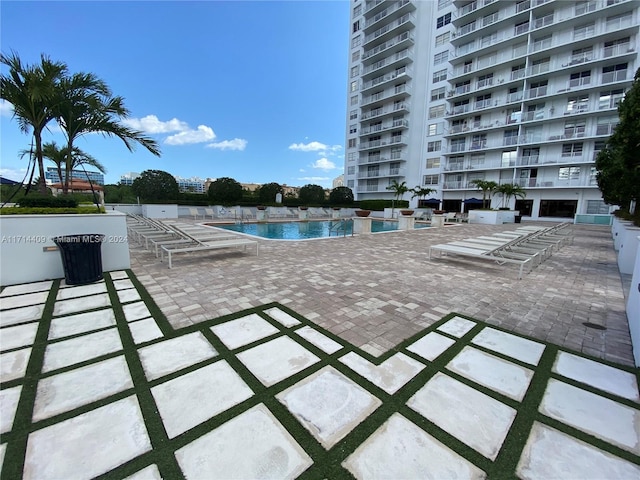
point(379, 205)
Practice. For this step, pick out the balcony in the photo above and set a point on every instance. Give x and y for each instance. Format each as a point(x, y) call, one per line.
point(396, 140)
point(380, 112)
point(401, 72)
point(537, 92)
point(384, 127)
point(398, 40)
point(615, 50)
point(387, 12)
point(400, 90)
point(407, 21)
point(616, 76)
point(390, 60)
point(382, 173)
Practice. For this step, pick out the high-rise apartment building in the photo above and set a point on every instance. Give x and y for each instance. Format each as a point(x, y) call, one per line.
point(444, 92)
point(51, 175)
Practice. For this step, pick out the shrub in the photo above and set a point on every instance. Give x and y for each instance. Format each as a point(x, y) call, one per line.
point(379, 205)
point(48, 210)
point(48, 202)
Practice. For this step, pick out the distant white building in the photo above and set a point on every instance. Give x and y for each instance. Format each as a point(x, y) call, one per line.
point(51, 175)
point(338, 181)
point(128, 178)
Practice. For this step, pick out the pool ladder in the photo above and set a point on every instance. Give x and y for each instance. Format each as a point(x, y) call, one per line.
point(340, 225)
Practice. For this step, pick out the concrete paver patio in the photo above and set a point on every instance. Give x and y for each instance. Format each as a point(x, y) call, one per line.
point(286, 366)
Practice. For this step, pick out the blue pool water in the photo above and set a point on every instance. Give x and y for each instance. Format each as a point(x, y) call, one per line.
point(305, 230)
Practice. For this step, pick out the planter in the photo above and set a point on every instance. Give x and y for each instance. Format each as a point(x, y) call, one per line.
point(303, 208)
point(493, 217)
point(261, 207)
point(406, 212)
point(363, 213)
point(438, 212)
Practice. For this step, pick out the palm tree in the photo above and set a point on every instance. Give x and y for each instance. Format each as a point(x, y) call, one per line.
point(421, 192)
point(31, 90)
point(487, 187)
point(85, 106)
point(399, 189)
point(60, 157)
point(508, 190)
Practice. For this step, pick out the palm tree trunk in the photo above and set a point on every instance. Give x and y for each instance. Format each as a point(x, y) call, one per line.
point(42, 185)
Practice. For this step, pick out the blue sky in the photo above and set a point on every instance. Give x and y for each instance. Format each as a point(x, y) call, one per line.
point(255, 91)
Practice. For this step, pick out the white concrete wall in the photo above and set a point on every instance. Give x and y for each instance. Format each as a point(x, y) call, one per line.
point(628, 248)
point(160, 211)
point(132, 208)
point(23, 260)
point(492, 217)
point(633, 306)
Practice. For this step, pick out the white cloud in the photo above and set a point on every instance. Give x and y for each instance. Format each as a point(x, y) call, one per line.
point(324, 164)
point(201, 134)
point(315, 147)
point(14, 174)
point(313, 179)
point(151, 124)
point(6, 109)
point(235, 144)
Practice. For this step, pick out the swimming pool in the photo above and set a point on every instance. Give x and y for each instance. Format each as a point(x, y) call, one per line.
point(305, 230)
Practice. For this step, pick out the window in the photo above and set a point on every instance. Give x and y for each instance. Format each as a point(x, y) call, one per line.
point(352, 143)
point(490, 39)
point(355, 71)
point(616, 47)
point(518, 71)
point(477, 160)
point(584, 31)
point(353, 128)
point(437, 94)
point(351, 170)
point(535, 112)
point(443, 3)
point(489, 19)
point(354, 86)
point(439, 76)
point(572, 150)
point(436, 112)
point(581, 55)
point(606, 125)
point(352, 156)
point(540, 66)
point(558, 208)
point(619, 21)
point(430, 179)
point(509, 158)
point(614, 73)
point(583, 7)
point(578, 104)
point(483, 101)
point(433, 162)
point(537, 89)
point(435, 129)
point(541, 43)
point(479, 141)
point(543, 21)
point(519, 49)
point(523, 5)
point(510, 137)
point(356, 41)
point(485, 80)
point(356, 26)
point(441, 57)
point(610, 98)
point(434, 146)
point(458, 145)
point(461, 107)
point(530, 156)
point(357, 10)
point(354, 101)
point(443, 20)
point(579, 79)
point(442, 39)
point(350, 184)
point(574, 128)
point(463, 87)
point(597, 207)
point(521, 28)
point(355, 56)
point(568, 173)
point(353, 114)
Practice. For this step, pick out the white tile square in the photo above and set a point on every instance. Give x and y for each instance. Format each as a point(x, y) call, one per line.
point(251, 445)
point(492, 372)
point(469, 415)
point(80, 349)
point(144, 330)
point(149, 473)
point(118, 275)
point(598, 375)
point(75, 305)
point(401, 450)
point(276, 360)
point(23, 300)
point(526, 351)
point(14, 364)
point(26, 288)
point(123, 284)
point(18, 336)
point(457, 326)
point(172, 355)
point(611, 421)
point(81, 323)
point(318, 339)
point(550, 453)
point(129, 295)
point(282, 317)
point(66, 391)
point(243, 331)
point(9, 399)
point(88, 445)
point(328, 405)
point(197, 396)
point(390, 375)
point(81, 291)
point(431, 346)
point(135, 311)
point(21, 315)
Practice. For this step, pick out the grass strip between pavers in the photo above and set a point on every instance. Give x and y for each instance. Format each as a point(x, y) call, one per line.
point(326, 463)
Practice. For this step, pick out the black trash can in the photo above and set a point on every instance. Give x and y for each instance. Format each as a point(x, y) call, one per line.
point(518, 219)
point(81, 257)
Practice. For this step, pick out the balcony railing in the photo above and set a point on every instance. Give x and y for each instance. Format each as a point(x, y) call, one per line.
point(403, 71)
point(386, 126)
point(386, 61)
point(386, 45)
point(389, 27)
point(386, 12)
point(378, 112)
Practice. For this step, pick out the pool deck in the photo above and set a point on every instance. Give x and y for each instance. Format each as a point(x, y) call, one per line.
point(377, 290)
point(338, 358)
